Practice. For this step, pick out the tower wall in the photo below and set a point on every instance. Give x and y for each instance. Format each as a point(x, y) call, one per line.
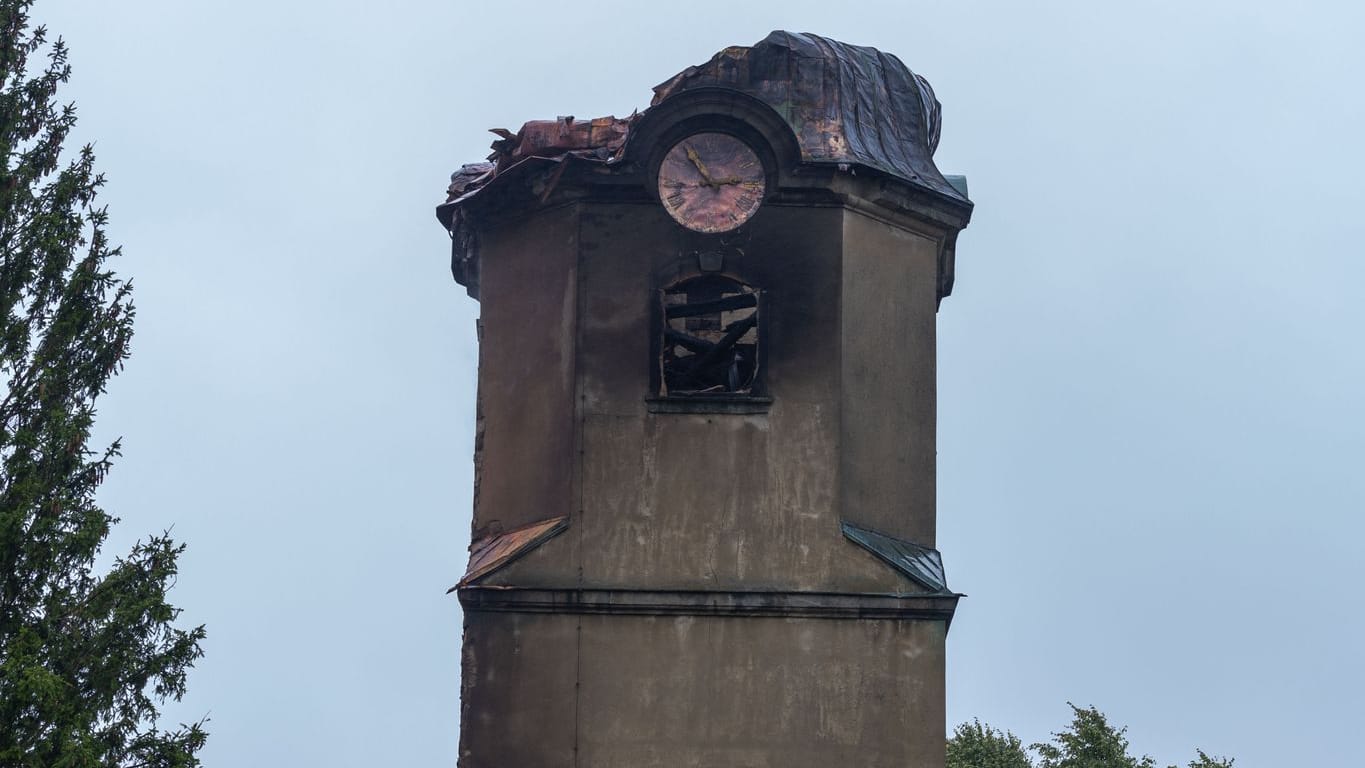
point(527, 386)
point(704, 523)
point(887, 395)
point(707, 500)
point(670, 691)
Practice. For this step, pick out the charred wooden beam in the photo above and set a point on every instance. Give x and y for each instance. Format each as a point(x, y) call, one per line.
point(688, 342)
point(734, 332)
point(738, 301)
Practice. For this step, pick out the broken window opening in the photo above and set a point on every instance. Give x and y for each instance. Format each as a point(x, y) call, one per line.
point(711, 338)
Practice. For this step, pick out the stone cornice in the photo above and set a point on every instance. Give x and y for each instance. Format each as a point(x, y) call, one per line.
point(817, 605)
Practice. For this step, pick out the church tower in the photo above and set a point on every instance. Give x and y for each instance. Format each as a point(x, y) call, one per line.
point(704, 504)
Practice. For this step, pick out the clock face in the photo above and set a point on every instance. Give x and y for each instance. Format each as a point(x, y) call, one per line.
point(711, 182)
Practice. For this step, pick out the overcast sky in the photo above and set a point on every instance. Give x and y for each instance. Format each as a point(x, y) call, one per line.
point(1150, 371)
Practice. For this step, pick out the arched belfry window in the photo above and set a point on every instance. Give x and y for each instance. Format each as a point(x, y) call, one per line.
point(710, 338)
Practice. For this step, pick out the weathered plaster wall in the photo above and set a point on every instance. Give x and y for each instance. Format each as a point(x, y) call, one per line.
point(707, 502)
point(518, 691)
point(670, 692)
point(887, 402)
point(723, 501)
point(526, 379)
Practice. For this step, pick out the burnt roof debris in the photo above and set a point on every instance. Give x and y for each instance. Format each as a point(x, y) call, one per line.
point(600, 139)
point(845, 105)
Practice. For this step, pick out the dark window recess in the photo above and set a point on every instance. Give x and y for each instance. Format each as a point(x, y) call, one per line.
point(711, 338)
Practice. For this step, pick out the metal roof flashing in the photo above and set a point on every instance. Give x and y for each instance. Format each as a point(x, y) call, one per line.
point(923, 565)
point(493, 552)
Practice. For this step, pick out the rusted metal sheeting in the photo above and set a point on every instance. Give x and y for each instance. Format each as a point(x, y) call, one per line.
point(922, 564)
point(847, 104)
point(493, 552)
point(601, 139)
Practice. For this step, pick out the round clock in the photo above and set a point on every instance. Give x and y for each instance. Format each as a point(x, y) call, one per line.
point(711, 182)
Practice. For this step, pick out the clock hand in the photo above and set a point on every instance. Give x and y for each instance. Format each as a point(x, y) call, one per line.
point(701, 167)
point(735, 180)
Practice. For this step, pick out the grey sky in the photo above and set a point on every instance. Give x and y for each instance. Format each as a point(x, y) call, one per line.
point(1150, 422)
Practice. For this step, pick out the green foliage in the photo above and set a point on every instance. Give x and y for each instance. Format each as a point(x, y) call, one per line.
point(1205, 761)
point(974, 745)
point(85, 659)
point(1090, 742)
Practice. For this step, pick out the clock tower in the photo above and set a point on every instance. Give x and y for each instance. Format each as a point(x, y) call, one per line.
point(704, 516)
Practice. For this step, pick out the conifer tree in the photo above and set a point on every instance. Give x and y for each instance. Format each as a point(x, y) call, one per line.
point(86, 658)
